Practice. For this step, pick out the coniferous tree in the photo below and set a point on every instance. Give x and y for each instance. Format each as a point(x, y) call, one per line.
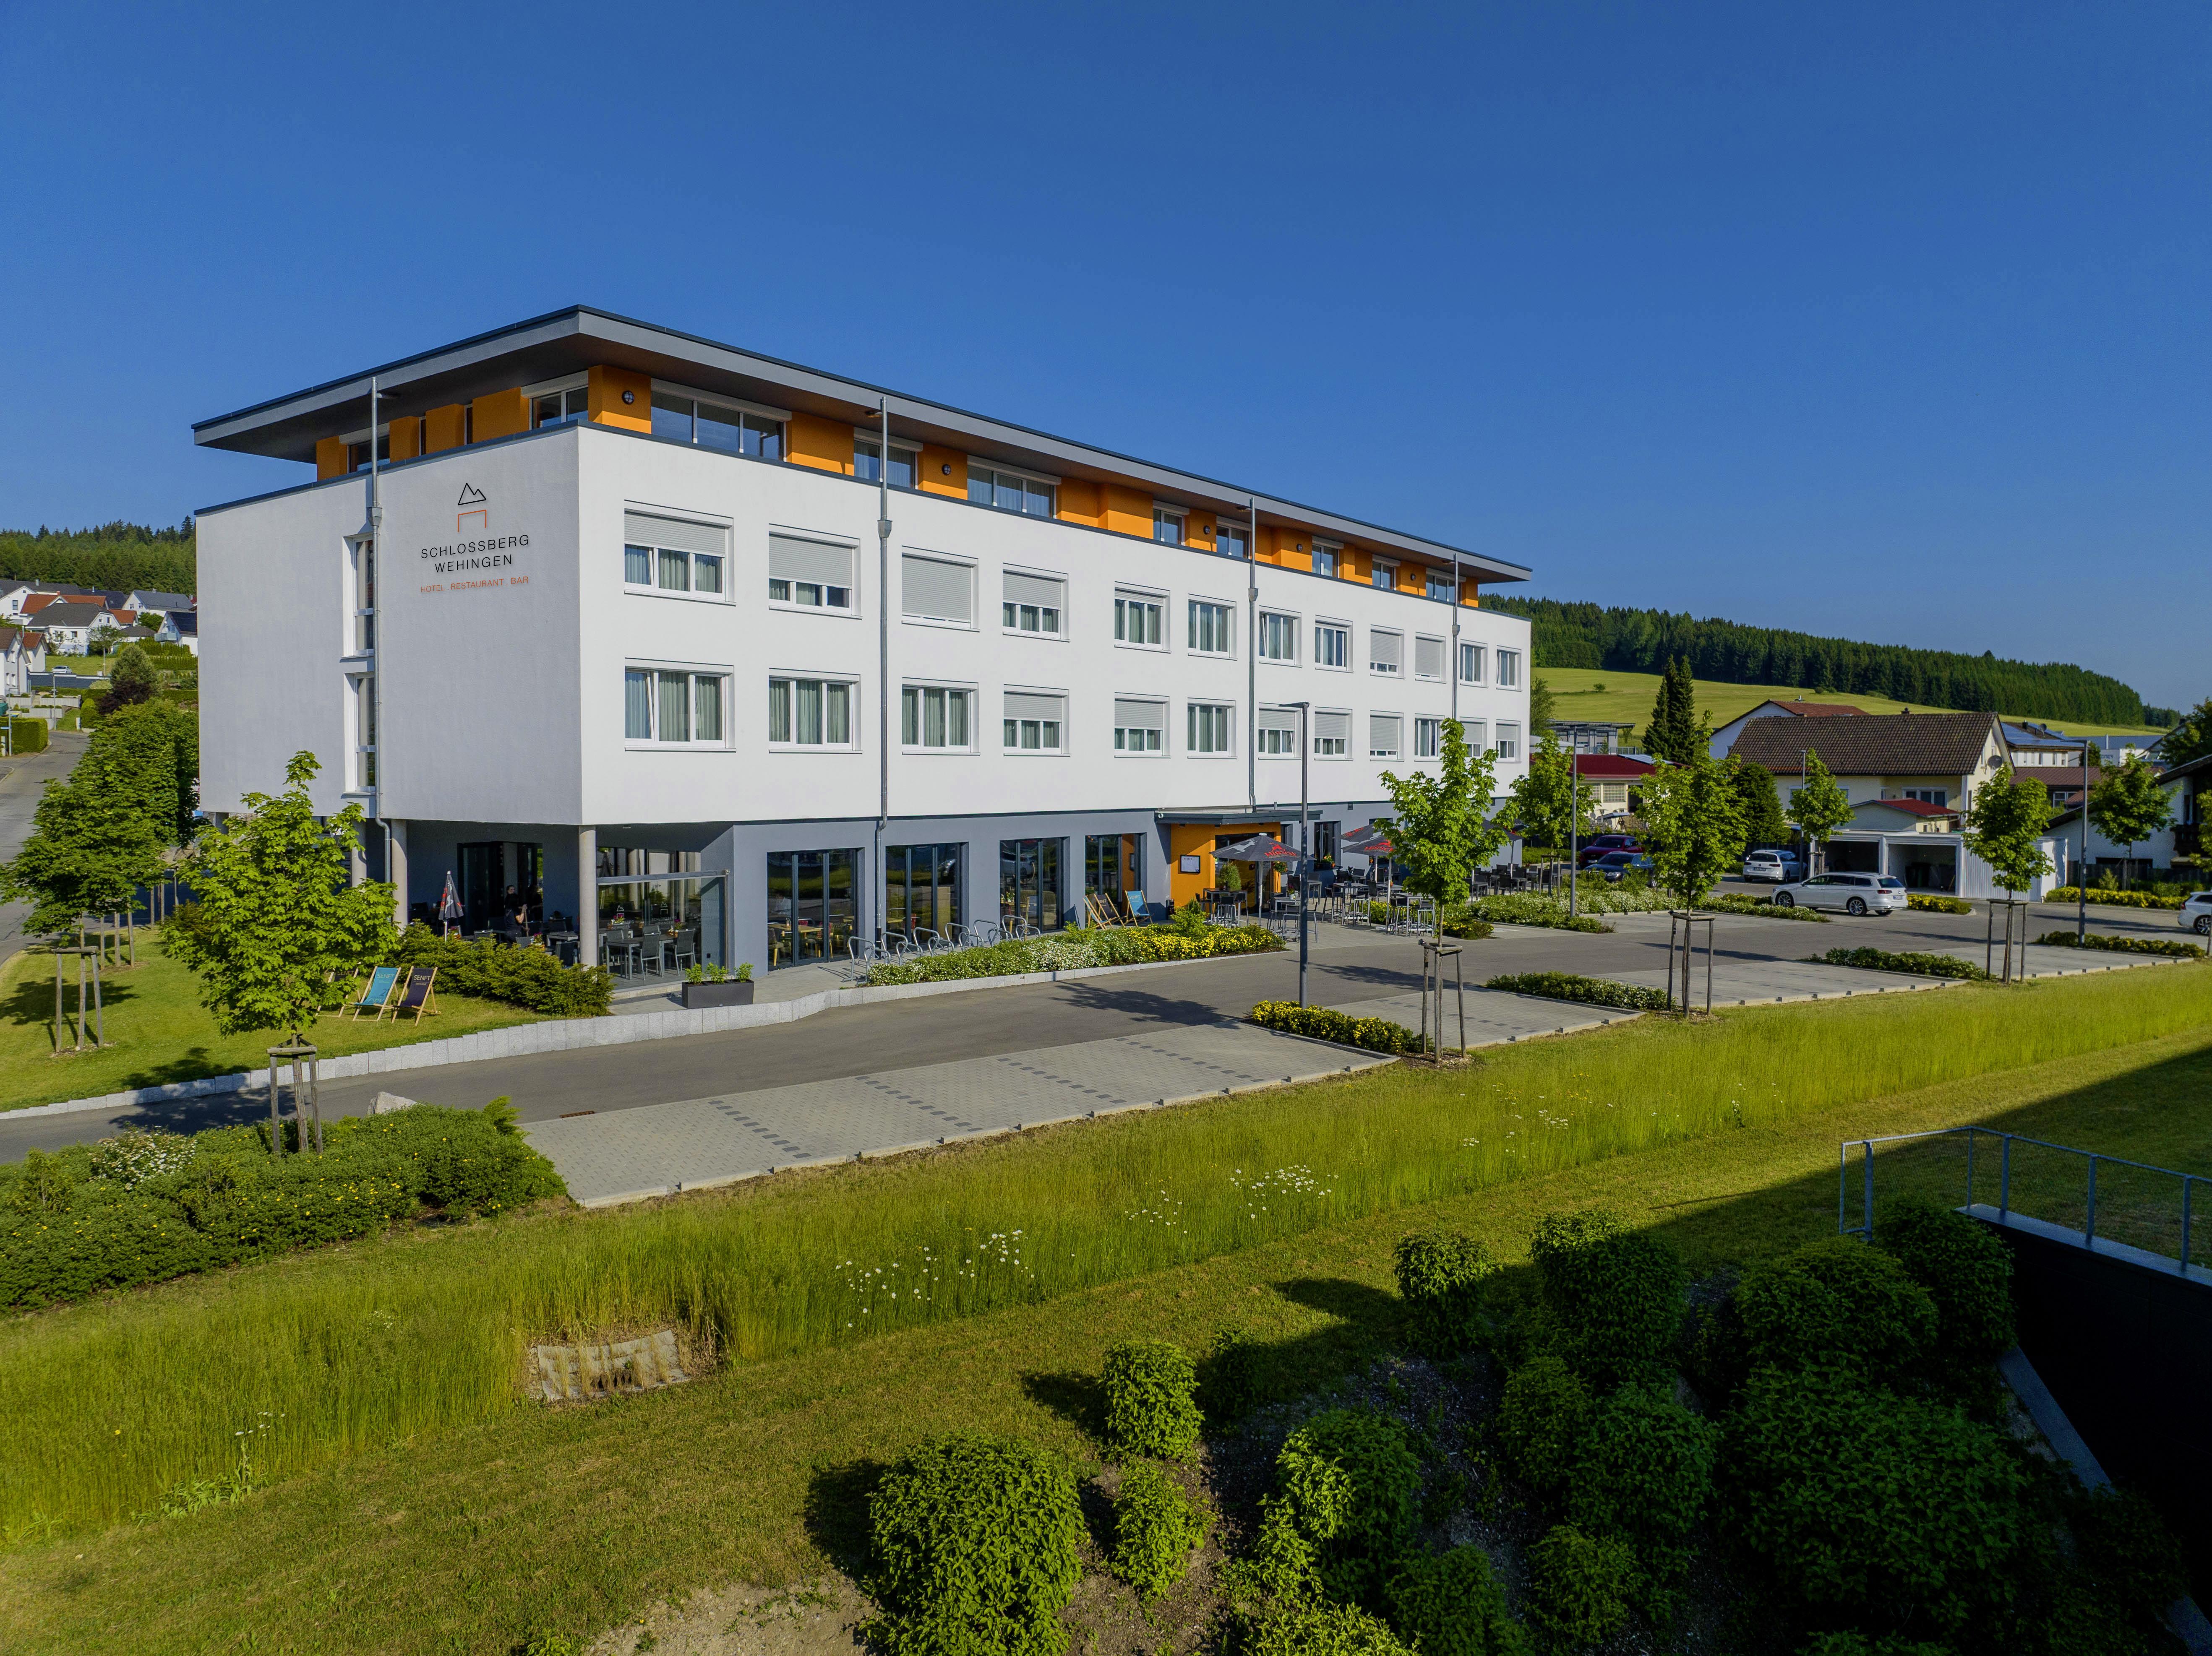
point(1763, 824)
point(1673, 736)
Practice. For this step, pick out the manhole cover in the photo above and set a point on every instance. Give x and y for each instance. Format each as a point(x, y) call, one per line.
point(579, 1374)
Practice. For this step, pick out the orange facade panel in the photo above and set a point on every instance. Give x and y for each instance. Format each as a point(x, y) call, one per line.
point(1079, 503)
point(944, 471)
point(620, 399)
point(502, 414)
point(444, 429)
point(406, 439)
point(1126, 511)
point(332, 459)
point(825, 444)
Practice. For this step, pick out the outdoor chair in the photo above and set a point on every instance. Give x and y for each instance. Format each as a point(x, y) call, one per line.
point(381, 983)
point(417, 1000)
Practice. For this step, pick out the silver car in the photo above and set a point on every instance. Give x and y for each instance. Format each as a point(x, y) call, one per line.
point(2196, 914)
point(1777, 867)
point(1854, 894)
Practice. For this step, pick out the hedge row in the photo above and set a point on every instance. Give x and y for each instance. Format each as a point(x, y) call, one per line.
point(516, 974)
point(1078, 948)
point(1593, 992)
point(1521, 908)
point(149, 1206)
point(1927, 905)
point(1911, 962)
point(26, 735)
point(1372, 1035)
point(2171, 946)
point(2069, 894)
point(1737, 902)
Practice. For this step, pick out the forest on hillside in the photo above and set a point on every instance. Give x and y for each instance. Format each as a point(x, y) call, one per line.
point(116, 555)
point(1645, 641)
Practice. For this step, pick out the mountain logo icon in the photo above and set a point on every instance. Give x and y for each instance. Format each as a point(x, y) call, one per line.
point(471, 495)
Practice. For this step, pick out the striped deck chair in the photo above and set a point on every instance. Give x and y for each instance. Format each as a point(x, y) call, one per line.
point(381, 980)
point(415, 999)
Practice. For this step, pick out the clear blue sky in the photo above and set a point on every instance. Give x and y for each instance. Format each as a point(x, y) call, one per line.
point(1885, 321)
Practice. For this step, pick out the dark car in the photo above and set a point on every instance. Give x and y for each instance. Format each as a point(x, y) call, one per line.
point(1614, 864)
point(1603, 845)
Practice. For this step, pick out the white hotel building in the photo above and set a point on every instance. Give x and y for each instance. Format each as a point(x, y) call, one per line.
point(629, 639)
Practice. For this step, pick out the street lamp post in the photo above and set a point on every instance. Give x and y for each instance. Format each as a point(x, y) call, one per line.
point(2082, 862)
point(1305, 860)
point(1574, 828)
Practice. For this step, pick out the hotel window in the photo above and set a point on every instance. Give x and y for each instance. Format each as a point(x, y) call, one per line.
point(810, 712)
point(1327, 559)
point(1332, 736)
point(931, 717)
point(671, 707)
point(868, 462)
point(1428, 737)
point(1140, 727)
point(1470, 664)
point(1509, 668)
point(1477, 731)
point(1386, 652)
point(560, 408)
point(1276, 735)
point(1167, 525)
point(810, 574)
point(364, 595)
point(711, 425)
point(1928, 796)
point(1509, 740)
point(1210, 633)
point(1428, 658)
point(1008, 491)
point(672, 555)
point(1383, 735)
point(1208, 724)
point(1332, 645)
point(935, 589)
point(1033, 723)
point(1137, 620)
point(1030, 882)
point(1232, 541)
point(1033, 604)
point(364, 730)
point(1440, 586)
point(1279, 638)
point(357, 454)
point(1382, 572)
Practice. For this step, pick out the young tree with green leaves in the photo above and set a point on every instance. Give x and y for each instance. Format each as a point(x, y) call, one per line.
point(2127, 806)
point(1673, 736)
point(93, 842)
point(1817, 807)
point(278, 936)
point(130, 681)
point(1693, 821)
point(1763, 824)
point(2004, 827)
point(1543, 707)
point(1549, 801)
point(2189, 739)
point(1442, 830)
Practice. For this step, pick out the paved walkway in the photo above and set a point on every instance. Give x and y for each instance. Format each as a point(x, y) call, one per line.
point(658, 1149)
point(23, 781)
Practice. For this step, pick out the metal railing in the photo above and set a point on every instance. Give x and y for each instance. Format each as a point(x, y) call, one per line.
point(2070, 1204)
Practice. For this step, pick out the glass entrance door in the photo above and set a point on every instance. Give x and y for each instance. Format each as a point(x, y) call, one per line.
point(1030, 883)
point(812, 905)
point(483, 884)
point(921, 889)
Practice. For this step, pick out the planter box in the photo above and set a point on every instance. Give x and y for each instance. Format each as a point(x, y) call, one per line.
point(717, 994)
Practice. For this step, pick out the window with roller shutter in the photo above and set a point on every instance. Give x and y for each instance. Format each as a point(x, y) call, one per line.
point(808, 574)
point(1428, 658)
point(1033, 604)
point(1331, 735)
point(937, 589)
point(676, 557)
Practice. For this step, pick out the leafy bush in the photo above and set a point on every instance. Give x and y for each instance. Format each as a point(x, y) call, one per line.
point(1593, 992)
point(1857, 1644)
point(1967, 1271)
point(1440, 1278)
point(2174, 946)
point(1522, 908)
point(1614, 1296)
point(2067, 894)
point(1579, 1587)
point(1739, 903)
point(1930, 905)
point(1462, 925)
point(1229, 1377)
point(1644, 1471)
point(1319, 1023)
point(1078, 948)
point(1152, 1408)
point(976, 1547)
point(2128, 1559)
point(1347, 1483)
point(27, 735)
point(1867, 1505)
point(1307, 1630)
point(1450, 1605)
point(1834, 1302)
point(1156, 1529)
point(1541, 1417)
point(1911, 962)
point(148, 1207)
point(519, 976)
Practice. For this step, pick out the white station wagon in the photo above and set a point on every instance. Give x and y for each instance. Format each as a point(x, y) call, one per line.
point(1854, 894)
point(2196, 914)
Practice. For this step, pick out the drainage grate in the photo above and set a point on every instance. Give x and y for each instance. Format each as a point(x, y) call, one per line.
point(570, 1115)
point(581, 1373)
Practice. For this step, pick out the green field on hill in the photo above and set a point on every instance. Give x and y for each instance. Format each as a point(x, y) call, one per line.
point(1625, 699)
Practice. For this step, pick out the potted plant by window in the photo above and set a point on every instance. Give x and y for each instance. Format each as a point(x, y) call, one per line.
point(716, 986)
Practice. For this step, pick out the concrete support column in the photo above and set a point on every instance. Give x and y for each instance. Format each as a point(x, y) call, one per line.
point(396, 872)
point(357, 861)
point(588, 896)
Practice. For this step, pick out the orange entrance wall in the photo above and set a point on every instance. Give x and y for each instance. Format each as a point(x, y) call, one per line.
point(1184, 838)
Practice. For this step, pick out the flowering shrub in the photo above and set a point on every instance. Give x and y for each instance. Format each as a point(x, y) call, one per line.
point(2067, 894)
point(132, 1156)
point(1593, 992)
point(1927, 905)
point(1078, 948)
point(1319, 1023)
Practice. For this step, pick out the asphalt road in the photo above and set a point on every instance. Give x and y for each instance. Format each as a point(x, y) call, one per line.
point(22, 781)
point(1348, 967)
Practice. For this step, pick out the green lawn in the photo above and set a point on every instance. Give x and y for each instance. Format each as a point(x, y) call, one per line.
point(158, 1032)
point(431, 1533)
point(1626, 699)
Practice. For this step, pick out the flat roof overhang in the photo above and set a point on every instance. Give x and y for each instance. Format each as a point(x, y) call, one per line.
point(570, 341)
